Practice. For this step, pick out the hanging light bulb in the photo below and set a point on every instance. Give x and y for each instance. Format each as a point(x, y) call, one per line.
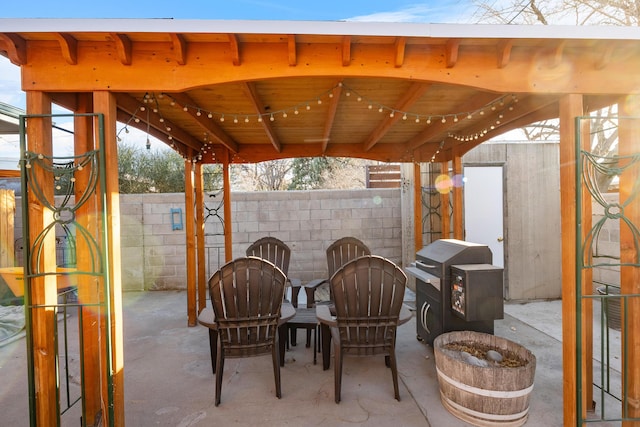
point(148, 143)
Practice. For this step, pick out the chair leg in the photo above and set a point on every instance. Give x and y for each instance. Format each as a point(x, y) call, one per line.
point(308, 343)
point(394, 373)
point(315, 344)
point(337, 371)
point(276, 369)
point(219, 372)
point(282, 340)
point(213, 346)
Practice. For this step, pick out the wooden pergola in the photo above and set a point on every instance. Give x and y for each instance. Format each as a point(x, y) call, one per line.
point(232, 92)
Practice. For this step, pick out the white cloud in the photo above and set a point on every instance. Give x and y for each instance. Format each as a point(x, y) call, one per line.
point(435, 12)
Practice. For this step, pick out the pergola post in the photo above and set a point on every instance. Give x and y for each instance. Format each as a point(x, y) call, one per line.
point(190, 241)
point(89, 320)
point(226, 196)
point(104, 102)
point(458, 228)
point(417, 206)
point(445, 209)
point(570, 108)
point(629, 144)
point(200, 255)
point(42, 293)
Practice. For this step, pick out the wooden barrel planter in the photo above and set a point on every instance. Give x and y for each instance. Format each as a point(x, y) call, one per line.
point(484, 395)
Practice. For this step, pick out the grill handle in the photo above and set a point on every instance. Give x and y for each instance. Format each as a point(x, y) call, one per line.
point(422, 264)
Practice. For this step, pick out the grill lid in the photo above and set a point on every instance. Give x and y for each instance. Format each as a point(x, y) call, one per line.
point(443, 253)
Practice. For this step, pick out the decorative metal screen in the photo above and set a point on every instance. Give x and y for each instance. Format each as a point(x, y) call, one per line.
point(77, 231)
point(601, 220)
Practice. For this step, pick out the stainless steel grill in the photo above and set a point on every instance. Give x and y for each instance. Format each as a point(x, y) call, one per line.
point(449, 267)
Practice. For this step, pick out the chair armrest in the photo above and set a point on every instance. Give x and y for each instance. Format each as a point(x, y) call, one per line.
point(405, 315)
point(207, 318)
point(294, 283)
point(324, 316)
point(315, 283)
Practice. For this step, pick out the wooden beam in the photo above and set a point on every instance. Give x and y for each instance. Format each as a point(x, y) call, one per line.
point(235, 49)
point(291, 49)
point(331, 115)
point(105, 103)
point(123, 47)
point(556, 53)
point(570, 108)
point(451, 52)
point(95, 70)
point(413, 94)
point(606, 49)
point(504, 52)
point(189, 215)
point(346, 51)
point(179, 47)
point(252, 93)
point(400, 46)
point(16, 48)
point(42, 290)
point(69, 47)
point(216, 133)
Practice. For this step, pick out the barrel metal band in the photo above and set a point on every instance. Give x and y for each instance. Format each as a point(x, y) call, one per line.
point(484, 415)
point(485, 392)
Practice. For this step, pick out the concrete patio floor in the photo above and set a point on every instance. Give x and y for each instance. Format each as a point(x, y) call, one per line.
point(168, 378)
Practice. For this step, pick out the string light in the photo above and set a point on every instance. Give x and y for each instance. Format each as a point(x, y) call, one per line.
point(283, 113)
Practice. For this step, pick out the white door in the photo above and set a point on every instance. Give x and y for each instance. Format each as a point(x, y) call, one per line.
point(483, 213)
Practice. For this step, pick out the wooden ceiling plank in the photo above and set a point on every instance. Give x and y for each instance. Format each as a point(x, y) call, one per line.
point(331, 115)
point(346, 51)
point(451, 51)
point(413, 94)
point(252, 94)
point(400, 47)
point(536, 108)
point(130, 105)
point(504, 52)
point(16, 48)
point(235, 49)
point(123, 116)
point(123, 47)
point(291, 49)
point(179, 47)
point(438, 129)
point(215, 131)
point(69, 47)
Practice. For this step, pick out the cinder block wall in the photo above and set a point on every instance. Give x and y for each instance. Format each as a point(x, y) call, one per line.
point(154, 254)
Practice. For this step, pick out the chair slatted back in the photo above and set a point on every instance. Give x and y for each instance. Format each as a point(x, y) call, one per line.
point(272, 249)
point(344, 250)
point(368, 293)
point(247, 295)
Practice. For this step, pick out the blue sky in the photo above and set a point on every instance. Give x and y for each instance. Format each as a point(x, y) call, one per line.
point(434, 11)
point(326, 10)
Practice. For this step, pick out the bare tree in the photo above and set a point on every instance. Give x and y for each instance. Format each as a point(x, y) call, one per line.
point(604, 135)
